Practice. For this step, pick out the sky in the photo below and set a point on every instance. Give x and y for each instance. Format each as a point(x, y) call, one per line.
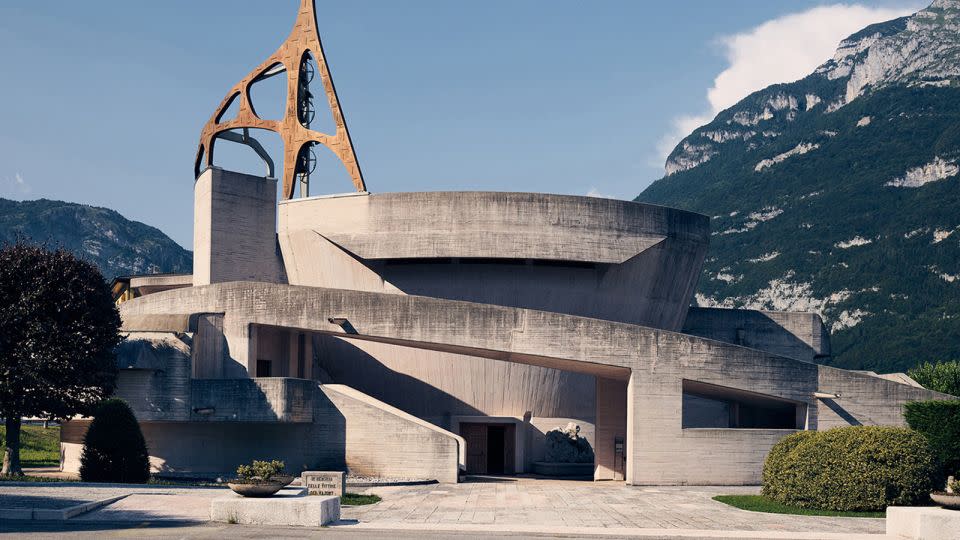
point(102, 102)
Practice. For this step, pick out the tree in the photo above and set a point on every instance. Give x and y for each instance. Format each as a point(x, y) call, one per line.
point(943, 377)
point(113, 448)
point(58, 329)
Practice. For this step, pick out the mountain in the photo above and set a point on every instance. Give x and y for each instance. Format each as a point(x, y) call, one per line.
point(102, 236)
point(840, 193)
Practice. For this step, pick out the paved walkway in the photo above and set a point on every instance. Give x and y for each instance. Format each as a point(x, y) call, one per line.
point(572, 504)
point(485, 506)
point(140, 503)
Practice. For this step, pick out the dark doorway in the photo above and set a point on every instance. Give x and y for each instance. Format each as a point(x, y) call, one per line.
point(495, 449)
point(490, 447)
point(264, 368)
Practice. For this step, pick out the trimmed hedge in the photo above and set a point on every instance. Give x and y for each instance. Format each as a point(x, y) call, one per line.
point(113, 448)
point(857, 468)
point(774, 468)
point(939, 422)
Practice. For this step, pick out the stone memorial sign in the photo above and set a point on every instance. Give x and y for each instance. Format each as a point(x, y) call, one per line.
point(324, 482)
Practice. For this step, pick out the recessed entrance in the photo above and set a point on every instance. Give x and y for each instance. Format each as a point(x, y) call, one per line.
point(490, 447)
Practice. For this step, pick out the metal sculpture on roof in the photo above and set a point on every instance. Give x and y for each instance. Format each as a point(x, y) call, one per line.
point(293, 59)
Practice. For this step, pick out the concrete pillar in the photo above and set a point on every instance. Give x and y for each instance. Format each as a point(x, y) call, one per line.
point(631, 427)
point(234, 229)
point(611, 427)
point(242, 342)
point(209, 347)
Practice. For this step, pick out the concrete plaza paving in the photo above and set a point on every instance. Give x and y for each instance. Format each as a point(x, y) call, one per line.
point(488, 506)
point(522, 503)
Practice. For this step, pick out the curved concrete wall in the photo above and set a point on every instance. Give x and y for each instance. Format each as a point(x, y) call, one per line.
point(653, 362)
point(438, 386)
point(601, 258)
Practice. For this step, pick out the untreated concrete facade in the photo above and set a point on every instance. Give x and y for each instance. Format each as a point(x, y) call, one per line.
point(420, 335)
point(424, 335)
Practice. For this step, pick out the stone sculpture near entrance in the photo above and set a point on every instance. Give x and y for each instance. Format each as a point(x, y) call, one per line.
point(565, 445)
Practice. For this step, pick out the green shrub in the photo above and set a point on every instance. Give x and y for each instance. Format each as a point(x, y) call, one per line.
point(942, 377)
point(939, 422)
point(774, 466)
point(113, 448)
point(260, 470)
point(857, 468)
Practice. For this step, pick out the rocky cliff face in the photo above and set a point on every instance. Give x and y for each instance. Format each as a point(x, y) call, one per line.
point(840, 193)
point(115, 244)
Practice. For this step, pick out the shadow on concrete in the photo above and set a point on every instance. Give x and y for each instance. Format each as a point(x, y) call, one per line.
point(212, 449)
point(352, 366)
point(488, 479)
point(841, 412)
point(39, 502)
point(754, 329)
point(70, 525)
point(346, 363)
point(507, 478)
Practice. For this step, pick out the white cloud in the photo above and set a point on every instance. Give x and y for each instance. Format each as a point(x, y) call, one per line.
point(594, 192)
point(14, 187)
point(779, 50)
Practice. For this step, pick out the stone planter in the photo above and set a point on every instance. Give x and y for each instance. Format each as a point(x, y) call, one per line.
point(284, 479)
point(946, 500)
point(260, 488)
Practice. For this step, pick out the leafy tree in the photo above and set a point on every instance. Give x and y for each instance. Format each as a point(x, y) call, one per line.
point(58, 329)
point(943, 377)
point(113, 448)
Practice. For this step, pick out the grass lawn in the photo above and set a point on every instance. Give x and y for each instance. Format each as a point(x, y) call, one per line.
point(355, 499)
point(39, 446)
point(759, 503)
point(28, 478)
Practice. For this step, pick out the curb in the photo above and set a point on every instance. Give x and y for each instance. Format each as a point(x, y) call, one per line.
point(603, 532)
point(43, 514)
point(72, 483)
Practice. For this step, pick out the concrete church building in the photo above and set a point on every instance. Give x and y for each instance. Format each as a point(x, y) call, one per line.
point(424, 335)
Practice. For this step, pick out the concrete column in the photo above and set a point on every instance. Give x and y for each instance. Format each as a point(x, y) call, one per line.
point(631, 420)
point(242, 345)
point(234, 229)
point(611, 426)
point(209, 347)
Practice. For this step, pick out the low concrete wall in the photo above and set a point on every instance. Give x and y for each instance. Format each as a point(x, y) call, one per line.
point(71, 444)
point(154, 375)
point(924, 523)
point(342, 429)
point(289, 507)
point(384, 441)
point(563, 469)
point(209, 450)
point(265, 399)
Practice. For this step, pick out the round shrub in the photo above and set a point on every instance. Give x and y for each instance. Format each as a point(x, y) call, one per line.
point(775, 467)
point(858, 468)
point(113, 448)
